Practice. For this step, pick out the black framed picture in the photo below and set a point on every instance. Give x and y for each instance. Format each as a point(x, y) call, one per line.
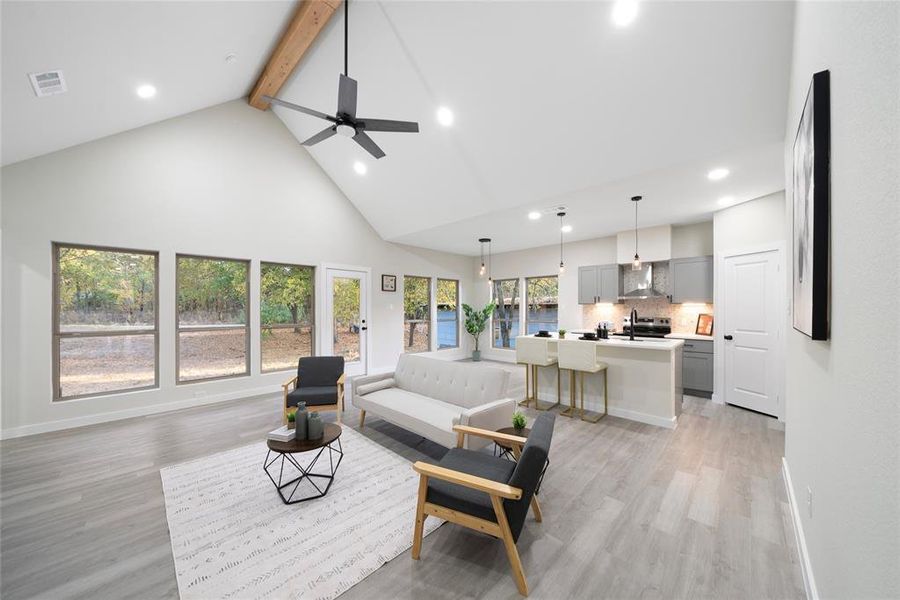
point(704, 324)
point(811, 190)
point(388, 283)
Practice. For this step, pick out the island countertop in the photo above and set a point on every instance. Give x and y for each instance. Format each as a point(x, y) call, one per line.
point(666, 344)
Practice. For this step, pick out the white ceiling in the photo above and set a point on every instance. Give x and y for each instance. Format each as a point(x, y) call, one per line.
point(553, 105)
point(107, 49)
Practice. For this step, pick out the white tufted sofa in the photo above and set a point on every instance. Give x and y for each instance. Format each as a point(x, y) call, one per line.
point(428, 396)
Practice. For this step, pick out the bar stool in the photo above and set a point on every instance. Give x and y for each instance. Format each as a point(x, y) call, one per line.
point(580, 356)
point(534, 353)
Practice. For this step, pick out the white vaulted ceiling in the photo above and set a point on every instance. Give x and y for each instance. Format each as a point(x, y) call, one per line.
point(553, 105)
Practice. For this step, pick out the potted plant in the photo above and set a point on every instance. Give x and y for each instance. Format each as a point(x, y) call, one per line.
point(476, 322)
point(562, 334)
point(292, 419)
point(518, 421)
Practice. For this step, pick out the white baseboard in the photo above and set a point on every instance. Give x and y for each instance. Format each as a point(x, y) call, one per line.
point(58, 425)
point(716, 400)
point(643, 417)
point(809, 582)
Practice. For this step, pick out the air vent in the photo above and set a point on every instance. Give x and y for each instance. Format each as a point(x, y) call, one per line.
point(47, 83)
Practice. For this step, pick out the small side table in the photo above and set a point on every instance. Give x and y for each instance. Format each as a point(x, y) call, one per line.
point(285, 451)
point(503, 451)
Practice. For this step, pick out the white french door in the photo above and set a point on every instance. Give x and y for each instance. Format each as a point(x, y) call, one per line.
point(346, 318)
point(751, 330)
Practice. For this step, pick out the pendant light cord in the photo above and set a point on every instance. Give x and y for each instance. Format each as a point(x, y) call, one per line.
point(346, 32)
point(635, 230)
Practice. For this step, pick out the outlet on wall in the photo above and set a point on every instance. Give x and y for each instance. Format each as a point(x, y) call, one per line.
point(809, 502)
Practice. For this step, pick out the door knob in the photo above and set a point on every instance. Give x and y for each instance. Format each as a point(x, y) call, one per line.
point(729, 338)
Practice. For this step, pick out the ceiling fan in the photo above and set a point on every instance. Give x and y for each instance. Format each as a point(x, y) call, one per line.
point(346, 123)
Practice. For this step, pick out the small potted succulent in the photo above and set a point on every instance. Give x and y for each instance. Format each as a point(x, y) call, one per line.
point(519, 421)
point(292, 419)
point(562, 334)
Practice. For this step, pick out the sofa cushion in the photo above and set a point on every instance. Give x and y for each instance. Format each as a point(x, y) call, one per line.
point(381, 384)
point(463, 499)
point(462, 384)
point(316, 395)
point(425, 416)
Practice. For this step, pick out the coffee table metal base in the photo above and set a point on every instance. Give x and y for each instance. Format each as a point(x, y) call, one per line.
point(305, 473)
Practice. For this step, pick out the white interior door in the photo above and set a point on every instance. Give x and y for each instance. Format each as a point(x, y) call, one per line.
point(751, 331)
point(346, 318)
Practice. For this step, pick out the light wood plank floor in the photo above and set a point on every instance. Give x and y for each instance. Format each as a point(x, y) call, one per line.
point(630, 510)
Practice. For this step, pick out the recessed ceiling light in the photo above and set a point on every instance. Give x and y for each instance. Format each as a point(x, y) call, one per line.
point(360, 167)
point(534, 215)
point(146, 91)
point(717, 174)
point(445, 116)
point(726, 200)
point(624, 12)
point(566, 229)
point(231, 58)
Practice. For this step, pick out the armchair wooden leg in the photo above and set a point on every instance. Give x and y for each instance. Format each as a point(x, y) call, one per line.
point(362, 419)
point(512, 552)
point(536, 508)
point(420, 517)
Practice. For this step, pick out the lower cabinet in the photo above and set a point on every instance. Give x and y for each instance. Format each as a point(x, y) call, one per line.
point(697, 367)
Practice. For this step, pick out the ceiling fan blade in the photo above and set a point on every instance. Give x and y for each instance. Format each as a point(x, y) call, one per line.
point(322, 135)
point(366, 142)
point(298, 108)
point(347, 97)
point(387, 125)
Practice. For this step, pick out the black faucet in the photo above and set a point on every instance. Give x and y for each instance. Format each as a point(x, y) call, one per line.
point(633, 323)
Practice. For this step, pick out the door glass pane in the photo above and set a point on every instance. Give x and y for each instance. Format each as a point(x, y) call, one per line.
point(92, 365)
point(206, 354)
point(346, 318)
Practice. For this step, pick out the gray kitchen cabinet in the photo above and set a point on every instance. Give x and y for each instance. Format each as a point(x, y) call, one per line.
point(692, 279)
point(599, 283)
point(697, 367)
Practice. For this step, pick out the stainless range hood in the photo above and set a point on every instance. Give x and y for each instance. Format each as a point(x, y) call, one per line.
point(640, 284)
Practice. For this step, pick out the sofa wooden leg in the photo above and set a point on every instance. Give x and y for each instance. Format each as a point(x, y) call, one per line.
point(420, 517)
point(362, 419)
point(512, 553)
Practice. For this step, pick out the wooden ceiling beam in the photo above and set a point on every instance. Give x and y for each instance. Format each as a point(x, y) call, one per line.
point(309, 20)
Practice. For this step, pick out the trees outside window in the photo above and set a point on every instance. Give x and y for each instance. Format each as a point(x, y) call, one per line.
point(105, 323)
point(505, 322)
point(448, 313)
point(286, 315)
point(542, 298)
point(213, 329)
point(416, 314)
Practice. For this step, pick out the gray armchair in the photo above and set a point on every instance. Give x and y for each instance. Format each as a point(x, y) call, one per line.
point(486, 493)
point(319, 383)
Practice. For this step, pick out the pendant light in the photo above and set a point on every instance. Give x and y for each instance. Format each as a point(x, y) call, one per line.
point(562, 265)
point(636, 263)
point(481, 271)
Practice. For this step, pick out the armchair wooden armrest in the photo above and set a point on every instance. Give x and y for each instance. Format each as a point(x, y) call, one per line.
point(286, 386)
point(341, 379)
point(481, 484)
point(513, 441)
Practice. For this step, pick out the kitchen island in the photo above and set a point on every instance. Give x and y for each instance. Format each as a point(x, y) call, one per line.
point(644, 378)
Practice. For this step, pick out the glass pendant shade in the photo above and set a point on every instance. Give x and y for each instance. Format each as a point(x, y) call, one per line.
point(636, 263)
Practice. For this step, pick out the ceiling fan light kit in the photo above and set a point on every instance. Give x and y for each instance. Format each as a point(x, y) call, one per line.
point(345, 122)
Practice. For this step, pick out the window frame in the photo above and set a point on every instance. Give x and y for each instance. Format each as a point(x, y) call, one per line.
point(517, 321)
point(527, 321)
point(428, 320)
point(57, 335)
point(202, 328)
point(312, 329)
point(456, 320)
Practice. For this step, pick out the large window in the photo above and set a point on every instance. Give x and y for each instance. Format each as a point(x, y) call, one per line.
point(416, 314)
point(447, 313)
point(542, 297)
point(286, 315)
point(505, 324)
point(105, 323)
point(213, 330)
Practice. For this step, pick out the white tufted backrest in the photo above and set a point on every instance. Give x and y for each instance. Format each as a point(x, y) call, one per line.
point(578, 355)
point(536, 351)
point(464, 385)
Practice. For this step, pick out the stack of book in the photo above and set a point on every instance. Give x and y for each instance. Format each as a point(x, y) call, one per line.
point(282, 434)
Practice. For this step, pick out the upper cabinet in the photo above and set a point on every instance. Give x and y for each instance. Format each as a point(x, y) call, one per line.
point(692, 279)
point(599, 283)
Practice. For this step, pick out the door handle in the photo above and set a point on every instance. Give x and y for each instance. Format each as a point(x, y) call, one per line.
point(729, 338)
point(364, 328)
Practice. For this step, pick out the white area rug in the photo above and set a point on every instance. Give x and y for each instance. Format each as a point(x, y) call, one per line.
point(232, 537)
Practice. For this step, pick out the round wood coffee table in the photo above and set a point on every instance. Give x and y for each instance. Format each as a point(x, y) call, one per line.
point(286, 451)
